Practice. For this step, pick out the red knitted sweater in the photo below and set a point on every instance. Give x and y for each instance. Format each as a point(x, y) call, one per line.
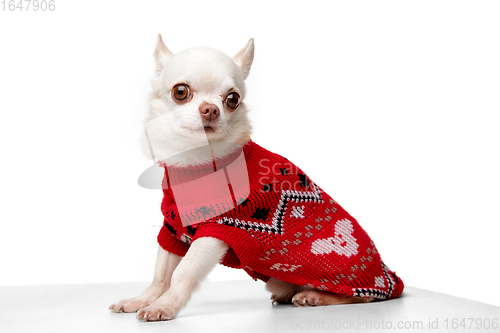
point(287, 227)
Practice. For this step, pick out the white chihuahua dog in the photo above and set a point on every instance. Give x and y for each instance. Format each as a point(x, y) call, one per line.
point(197, 99)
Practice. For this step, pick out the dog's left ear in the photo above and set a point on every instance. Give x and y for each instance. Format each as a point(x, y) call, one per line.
point(244, 58)
point(162, 53)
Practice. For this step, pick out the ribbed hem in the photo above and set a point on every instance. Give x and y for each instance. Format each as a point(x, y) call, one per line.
point(171, 244)
point(243, 247)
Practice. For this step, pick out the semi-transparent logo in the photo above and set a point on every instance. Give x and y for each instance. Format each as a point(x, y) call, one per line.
point(201, 192)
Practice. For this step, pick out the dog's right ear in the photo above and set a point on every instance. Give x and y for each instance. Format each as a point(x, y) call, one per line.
point(162, 53)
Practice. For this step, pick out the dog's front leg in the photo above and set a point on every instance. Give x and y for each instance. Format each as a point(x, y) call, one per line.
point(203, 255)
point(166, 263)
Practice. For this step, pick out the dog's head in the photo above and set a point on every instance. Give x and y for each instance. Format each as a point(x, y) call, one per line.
point(198, 98)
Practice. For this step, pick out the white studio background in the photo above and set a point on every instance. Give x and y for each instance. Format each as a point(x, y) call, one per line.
point(392, 107)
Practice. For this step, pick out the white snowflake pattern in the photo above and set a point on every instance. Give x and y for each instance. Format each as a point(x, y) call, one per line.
point(285, 267)
point(379, 281)
point(298, 212)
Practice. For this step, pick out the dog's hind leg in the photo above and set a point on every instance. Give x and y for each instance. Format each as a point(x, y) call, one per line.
point(282, 292)
point(288, 293)
point(319, 298)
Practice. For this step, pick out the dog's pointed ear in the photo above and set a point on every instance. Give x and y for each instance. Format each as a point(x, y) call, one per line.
point(244, 58)
point(162, 53)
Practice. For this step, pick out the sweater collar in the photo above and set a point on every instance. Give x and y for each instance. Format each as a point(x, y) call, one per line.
point(218, 163)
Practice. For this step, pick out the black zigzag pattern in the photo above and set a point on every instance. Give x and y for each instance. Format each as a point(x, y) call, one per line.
point(389, 278)
point(377, 293)
point(370, 292)
point(277, 223)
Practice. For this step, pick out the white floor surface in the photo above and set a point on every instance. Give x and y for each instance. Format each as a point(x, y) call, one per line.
point(235, 306)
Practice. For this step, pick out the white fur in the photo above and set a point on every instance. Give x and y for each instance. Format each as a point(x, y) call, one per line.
point(174, 128)
point(203, 255)
point(166, 263)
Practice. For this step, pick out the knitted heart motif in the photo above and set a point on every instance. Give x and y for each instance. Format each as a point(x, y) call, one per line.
point(343, 242)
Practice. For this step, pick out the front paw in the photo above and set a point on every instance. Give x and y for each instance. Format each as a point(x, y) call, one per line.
point(157, 313)
point(129, 305)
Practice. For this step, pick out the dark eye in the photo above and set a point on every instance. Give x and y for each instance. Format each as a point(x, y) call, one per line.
point(180, 92)
point(233, 100)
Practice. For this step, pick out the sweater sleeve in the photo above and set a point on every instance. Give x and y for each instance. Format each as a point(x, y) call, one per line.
point(171, 244)
point(243, 247)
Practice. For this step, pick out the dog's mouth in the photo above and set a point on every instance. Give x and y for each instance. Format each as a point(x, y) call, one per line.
point(208, 129)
